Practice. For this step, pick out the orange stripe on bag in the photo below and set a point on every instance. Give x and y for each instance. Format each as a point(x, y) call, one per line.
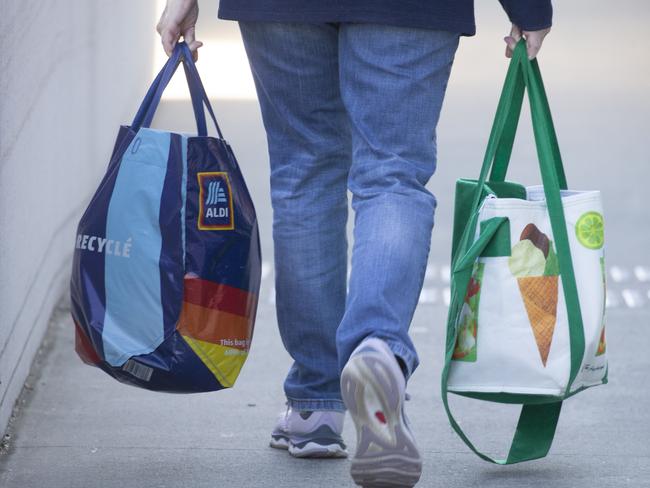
point(215, 326)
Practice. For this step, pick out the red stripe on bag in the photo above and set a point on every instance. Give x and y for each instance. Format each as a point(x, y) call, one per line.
point(219, 297)
point(84, 348)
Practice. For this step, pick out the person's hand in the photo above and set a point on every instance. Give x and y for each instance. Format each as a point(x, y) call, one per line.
point(179, 19)
point(534, 40)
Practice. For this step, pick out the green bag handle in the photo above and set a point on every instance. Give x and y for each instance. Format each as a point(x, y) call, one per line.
point(542, 128)
point(537, 422)
point(507, 114)
point(507, 137)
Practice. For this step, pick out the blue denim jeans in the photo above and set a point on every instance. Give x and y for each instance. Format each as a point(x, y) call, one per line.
point(348, 107)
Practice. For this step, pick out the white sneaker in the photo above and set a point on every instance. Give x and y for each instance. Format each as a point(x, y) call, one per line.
point(373, 389)
point(314, 434)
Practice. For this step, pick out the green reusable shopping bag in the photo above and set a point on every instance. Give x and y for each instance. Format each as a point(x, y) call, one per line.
point(488, 213)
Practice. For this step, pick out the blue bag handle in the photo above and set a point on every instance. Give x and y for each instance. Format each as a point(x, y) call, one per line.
point(196, 86)
point(149, 104)
point(152, 98)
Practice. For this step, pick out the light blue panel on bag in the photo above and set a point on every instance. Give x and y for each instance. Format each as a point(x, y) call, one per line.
point(133, 323)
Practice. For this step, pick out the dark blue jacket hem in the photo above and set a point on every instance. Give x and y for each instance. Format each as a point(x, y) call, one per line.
point(365, 16)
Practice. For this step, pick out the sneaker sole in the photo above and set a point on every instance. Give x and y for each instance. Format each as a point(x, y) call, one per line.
point(315, 450)
point(279, 442)
point(322, 442)
point(386, 454)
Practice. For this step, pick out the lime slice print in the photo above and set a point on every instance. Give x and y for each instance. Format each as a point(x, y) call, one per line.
point(590, 230)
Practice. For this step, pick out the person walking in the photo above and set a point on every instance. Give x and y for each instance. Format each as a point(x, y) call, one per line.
point(350, 94)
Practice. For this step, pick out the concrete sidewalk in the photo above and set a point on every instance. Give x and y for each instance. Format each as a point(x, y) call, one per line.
point(77, 427)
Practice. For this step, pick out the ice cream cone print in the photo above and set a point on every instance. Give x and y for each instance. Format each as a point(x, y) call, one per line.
point(535, 265)
point(540, 296)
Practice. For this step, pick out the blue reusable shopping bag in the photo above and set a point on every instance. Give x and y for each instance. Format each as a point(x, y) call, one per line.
point(166, 270)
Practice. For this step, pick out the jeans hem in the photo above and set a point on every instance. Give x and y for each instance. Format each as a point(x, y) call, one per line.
point(316, 404)
point(410, 359)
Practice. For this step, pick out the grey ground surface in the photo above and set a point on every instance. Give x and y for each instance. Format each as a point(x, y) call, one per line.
point(77, 427)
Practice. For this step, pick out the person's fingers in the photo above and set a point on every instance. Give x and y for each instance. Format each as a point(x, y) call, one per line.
point(192, 43)
point(188, 36)
point(159, 26)
point(534, 40)
point(194, 47)
point(169, 39)
point(515, 33)
point(512, 39)
point(532, 47)
point(510, 45)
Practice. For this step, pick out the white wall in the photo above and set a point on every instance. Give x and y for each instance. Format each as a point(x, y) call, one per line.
point(71, 71)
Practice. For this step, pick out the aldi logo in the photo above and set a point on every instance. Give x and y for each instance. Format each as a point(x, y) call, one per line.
point(215, 202)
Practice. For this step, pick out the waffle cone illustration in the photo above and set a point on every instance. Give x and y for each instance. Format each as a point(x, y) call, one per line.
point(540, 294)
point(534, 263)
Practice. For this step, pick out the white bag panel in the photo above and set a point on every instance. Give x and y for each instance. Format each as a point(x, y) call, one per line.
point(589, 273)
point(507, 357)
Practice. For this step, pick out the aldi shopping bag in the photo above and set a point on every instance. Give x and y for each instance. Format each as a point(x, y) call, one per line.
point(526, 321)
point(166, 269)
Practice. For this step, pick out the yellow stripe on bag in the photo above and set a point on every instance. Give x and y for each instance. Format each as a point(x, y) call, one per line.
point(224, 362)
